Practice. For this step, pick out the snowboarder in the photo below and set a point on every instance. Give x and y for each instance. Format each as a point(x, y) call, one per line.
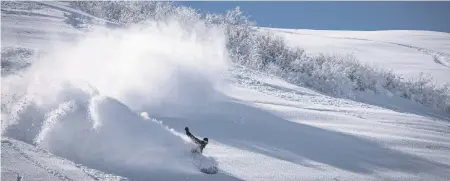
point(200, 143)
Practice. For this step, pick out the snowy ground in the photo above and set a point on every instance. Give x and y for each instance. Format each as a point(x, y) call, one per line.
point(21, 161)
point(405, 52)
point(259, 127)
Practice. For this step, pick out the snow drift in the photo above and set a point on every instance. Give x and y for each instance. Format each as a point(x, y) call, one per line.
point(81, 100)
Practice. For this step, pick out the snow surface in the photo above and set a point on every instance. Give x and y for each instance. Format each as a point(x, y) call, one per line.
point(405, 52)
point(112, 103)
point(22, 161)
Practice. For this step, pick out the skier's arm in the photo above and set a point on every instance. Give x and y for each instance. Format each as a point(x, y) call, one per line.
point(198, 141)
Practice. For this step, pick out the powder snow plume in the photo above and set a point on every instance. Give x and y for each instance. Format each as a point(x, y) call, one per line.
point(81, 100)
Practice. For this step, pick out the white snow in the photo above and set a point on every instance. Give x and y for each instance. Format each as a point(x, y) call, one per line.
point(406, 52)
point(21, 161)
point(112, 104)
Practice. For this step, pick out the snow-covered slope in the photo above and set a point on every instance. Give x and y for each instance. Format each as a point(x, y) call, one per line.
point(111, 104)
point(21, 161)
point(406, 52)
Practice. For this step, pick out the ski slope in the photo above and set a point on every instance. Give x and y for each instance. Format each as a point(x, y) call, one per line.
point(111, 103)
point(406, 52)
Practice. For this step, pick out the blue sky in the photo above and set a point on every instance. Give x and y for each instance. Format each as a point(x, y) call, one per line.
point(350, 15)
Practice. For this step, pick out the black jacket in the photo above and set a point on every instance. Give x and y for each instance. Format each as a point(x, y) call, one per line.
point(201, 143)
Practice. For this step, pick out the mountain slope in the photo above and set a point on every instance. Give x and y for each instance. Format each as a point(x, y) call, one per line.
point(85, 102)
point(406, 52)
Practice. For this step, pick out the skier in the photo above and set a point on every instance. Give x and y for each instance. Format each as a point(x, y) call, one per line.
point(200, 143)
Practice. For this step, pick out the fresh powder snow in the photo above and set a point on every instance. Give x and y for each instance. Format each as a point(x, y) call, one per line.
point(89, 97)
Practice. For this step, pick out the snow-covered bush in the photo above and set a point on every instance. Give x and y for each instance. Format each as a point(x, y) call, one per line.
point(240, 32)
point(126, 12)
point(337, 75)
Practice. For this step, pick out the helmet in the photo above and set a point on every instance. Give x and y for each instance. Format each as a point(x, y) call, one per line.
point(205, 139)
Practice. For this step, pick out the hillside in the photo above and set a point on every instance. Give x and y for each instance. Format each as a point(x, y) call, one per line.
point(94, 95)
point(406, 52)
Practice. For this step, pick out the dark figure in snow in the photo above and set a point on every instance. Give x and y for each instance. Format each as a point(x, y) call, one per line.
point(200, 143)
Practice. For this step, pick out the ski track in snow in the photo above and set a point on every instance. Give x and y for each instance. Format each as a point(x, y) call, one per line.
point(36, 163)
point(27, 13)
point(261, 128)
point(439, 57)
point(42, 162)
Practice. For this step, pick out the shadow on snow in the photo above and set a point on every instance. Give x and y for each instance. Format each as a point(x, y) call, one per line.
point(253, 129)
